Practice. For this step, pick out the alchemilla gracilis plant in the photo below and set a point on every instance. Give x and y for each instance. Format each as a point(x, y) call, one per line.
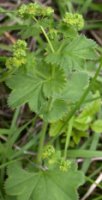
point(57, 80)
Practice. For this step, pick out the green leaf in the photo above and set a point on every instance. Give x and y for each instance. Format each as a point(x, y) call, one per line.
point(97, 126)
point(77, 135)
point(83, 120)
point(83, 153)
point(74, 53)
point(34, 88)
point(1, 196)
point(81, 126)
point(24, 88)
point(4, 131)
point(57, 110)
point(77, 83)
point(90, 109)
point(27, 86)
point(55, 84)
point(35, 28)
point(28, 32)
point(44, 184)
point(55, 128)
point(11, 28)
point(10, 198)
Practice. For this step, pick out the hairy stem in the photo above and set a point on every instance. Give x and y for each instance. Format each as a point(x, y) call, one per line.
point(51, 47)
point(47, 38)
point(50, 44)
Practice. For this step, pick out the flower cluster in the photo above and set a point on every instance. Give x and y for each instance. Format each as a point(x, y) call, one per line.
point(64, 165)
point(48, 152)
point(19, 55)
point(75, 20)
point(20, 44)
point(54, 159)
point(34, 10)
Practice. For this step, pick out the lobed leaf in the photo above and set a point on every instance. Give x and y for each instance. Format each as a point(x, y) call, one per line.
point(35, 88)
point(73, 54)
point(44, 184)
point(76, 84)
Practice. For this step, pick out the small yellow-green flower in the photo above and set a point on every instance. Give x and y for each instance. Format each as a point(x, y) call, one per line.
point(19, 55)
point(47, 11)
point(15, 62)
point(65, 165)
point(75, 20)
point(48, 152)
point(34, 10)
point(9, 63)
point(20, 44)
point(22, 10)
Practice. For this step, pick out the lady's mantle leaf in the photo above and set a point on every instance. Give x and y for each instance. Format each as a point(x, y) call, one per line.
point(33, 88)
point(43, 185)
point(76, 85)
point(74, 53)
point(55, 82)
point(56, 111)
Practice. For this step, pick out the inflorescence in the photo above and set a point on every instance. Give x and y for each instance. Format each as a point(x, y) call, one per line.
point(75, 20)
point(34, 10)
point(19, 55)
point(54, 159)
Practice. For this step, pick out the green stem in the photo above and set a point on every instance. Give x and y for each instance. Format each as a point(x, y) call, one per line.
point(50, 44)
point(47, 38)
point(41, 143)
point(51, 47)
point(69, 131)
